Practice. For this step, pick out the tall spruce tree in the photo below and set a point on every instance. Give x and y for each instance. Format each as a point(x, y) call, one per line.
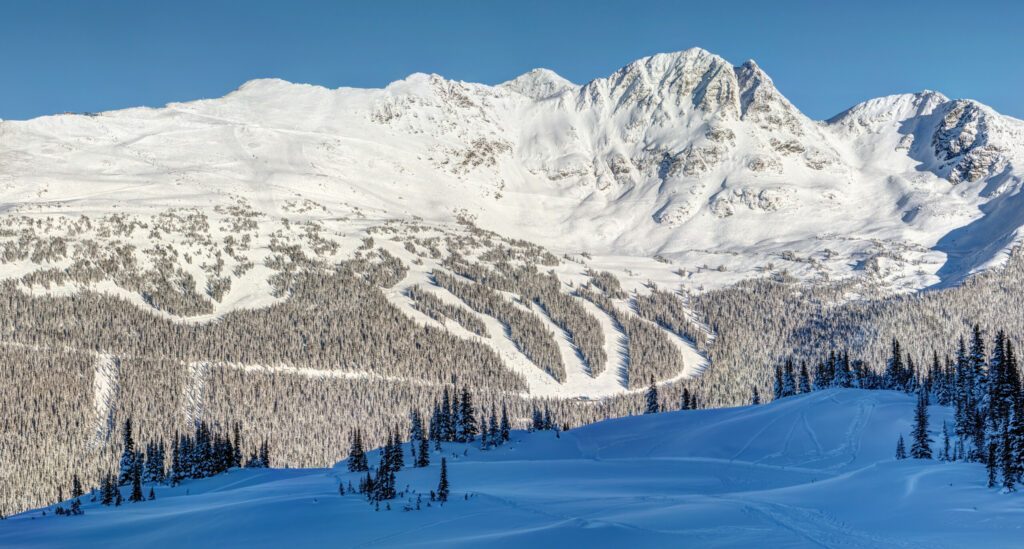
point(946, 450)
point(788, 381)
point(447, 432)
point(805, 379)
point(423, 455)
point(1008, 466)
point(652, 398)
point(127, 463)
point(356, 454)
point(76, 487)
point(921, 448)
point(468, 426)
point(136, 480)
point(442, 485)
point(506, 427)
point(415, 428)
point(107, 489)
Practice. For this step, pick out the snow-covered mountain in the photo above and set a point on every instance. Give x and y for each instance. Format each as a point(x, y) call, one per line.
point(680, 155)
point(809, 471)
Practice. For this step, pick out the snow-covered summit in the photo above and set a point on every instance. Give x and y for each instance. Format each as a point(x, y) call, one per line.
point(681, 155)
point(538, 84)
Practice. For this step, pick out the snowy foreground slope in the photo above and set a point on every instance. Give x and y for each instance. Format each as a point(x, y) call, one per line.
point(813, 470)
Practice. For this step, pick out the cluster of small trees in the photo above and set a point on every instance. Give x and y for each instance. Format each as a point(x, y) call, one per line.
point(204, 453)
point(454, 419)
point(453, 424)
point(687, 400)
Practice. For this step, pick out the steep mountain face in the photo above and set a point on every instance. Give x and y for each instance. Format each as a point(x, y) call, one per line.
point(680, 155)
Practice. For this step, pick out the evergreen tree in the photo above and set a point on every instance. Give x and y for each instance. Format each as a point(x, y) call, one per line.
point(537, 420)
point(843, 374)
point(805, 379)
point(136, 480)
point(356, 455)
point(684, 401)
point(468, 425)
point(652, 398)
point(107, 489)
point(777, 387)
point(236, 447)
point(265, 454)
point(127, 463)
point(894, 370)
point(177, 468)
point(76, 487)
point(1008, 467)
point(423, 456)
point(978, 365)
point(494, 430)
point(384, 483)
point(442, 486)
point(415, 428)
point(456, 422)
point(435, 426)
point(447, 432)
point(901, 449)
point(397, 457)
point(822, 379)
point(946, 456)
point(506, 426)
point(788, 382)
point(755, 399)
point(921, 446)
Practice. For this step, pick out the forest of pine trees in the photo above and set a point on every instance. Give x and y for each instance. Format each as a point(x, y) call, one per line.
point(203, 453)
point(983, 386)
point(333, 310)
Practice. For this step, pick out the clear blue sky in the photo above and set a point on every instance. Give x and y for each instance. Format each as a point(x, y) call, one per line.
point(824, 55)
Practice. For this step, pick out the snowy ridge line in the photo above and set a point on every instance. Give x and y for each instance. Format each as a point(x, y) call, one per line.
point(620, 166)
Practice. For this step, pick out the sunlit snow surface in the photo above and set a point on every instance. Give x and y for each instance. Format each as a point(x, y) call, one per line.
point(810, 471)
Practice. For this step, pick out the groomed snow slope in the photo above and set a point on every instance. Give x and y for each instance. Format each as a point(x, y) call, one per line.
point(808, 471)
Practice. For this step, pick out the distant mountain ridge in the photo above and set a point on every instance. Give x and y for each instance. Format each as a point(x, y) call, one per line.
point(681, 155)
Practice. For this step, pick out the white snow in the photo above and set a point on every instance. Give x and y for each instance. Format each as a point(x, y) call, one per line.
point(677, 154)
point(807, 471)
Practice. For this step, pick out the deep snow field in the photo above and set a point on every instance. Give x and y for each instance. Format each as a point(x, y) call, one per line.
point(807, 471)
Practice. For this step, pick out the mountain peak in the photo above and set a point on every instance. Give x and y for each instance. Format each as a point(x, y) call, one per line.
point(538, 84)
